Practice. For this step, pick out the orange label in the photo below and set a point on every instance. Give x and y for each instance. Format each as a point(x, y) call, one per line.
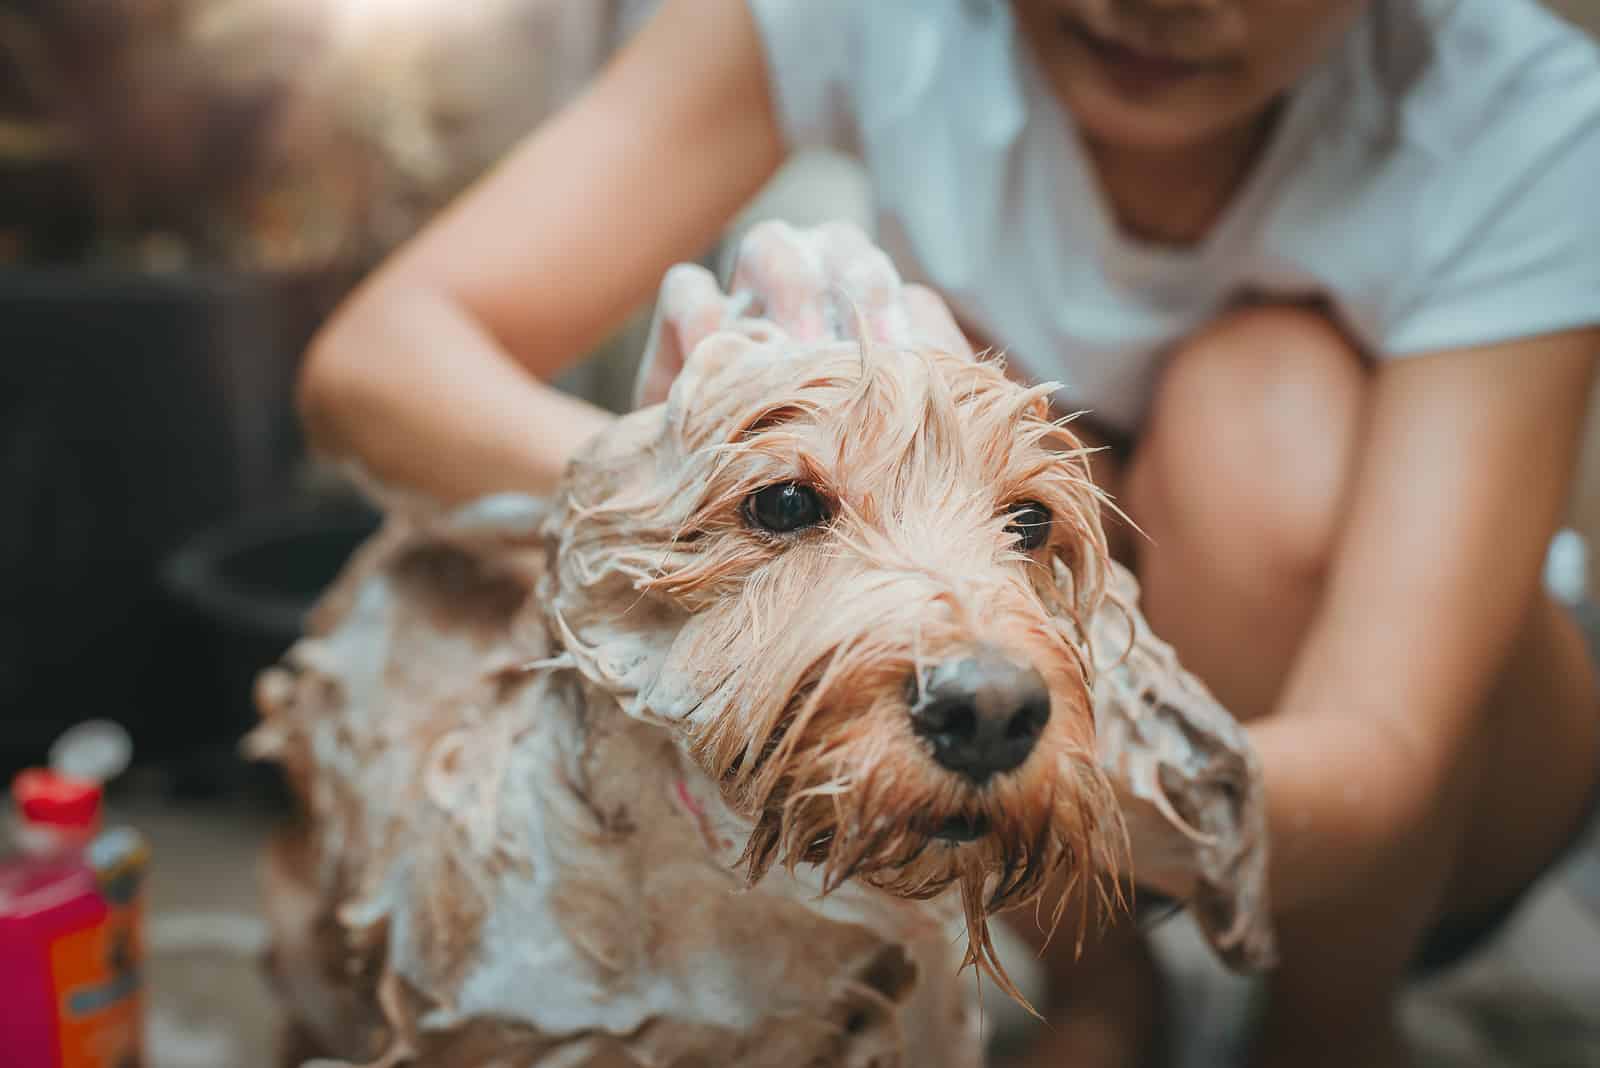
point(97, 982)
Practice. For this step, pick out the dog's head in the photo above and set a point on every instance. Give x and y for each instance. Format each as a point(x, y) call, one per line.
point(853, 578)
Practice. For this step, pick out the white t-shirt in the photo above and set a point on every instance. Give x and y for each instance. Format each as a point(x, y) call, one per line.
point(1436, 179)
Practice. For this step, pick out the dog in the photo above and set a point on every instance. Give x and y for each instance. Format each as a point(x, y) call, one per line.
point(728, 753)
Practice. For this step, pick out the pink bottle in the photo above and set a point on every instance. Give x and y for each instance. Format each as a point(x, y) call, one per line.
point(70, 946)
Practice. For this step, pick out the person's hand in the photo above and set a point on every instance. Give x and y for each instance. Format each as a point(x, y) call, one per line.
point(814, 284)
point(794, 286)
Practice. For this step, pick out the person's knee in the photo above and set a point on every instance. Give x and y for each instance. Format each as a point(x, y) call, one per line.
point(1250, 442)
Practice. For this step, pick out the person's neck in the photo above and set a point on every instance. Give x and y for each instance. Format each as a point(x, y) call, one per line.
point(1175, 196)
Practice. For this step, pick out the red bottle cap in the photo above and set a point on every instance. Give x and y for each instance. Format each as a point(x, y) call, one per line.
point(48, 798)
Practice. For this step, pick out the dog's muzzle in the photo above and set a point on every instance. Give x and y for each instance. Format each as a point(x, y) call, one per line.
point(981, 713)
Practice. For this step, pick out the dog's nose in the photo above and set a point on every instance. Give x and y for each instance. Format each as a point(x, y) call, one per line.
point(982, 713)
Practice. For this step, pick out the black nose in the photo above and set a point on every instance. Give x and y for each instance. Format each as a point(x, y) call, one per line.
point(982, 713)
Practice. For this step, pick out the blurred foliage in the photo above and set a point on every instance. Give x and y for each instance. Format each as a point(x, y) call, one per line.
point(266, 135)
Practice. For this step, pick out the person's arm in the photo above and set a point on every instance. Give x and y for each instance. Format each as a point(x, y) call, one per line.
point(433, 374)
point(1467, 466)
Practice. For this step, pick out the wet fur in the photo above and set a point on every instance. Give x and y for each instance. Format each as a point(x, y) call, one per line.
point(626, 743)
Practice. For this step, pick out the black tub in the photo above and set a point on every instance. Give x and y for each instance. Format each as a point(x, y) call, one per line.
point(245, 589)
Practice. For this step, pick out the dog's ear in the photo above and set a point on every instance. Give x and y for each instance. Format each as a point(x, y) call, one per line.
point(1187, 778)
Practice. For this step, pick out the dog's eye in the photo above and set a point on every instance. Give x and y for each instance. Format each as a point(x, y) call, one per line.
point(1030, 522)
point(785, 507)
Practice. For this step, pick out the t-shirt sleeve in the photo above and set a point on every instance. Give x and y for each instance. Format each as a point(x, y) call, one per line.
point(1509, 246)
point(811, 50)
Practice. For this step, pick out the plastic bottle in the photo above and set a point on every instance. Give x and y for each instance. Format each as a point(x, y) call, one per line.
point(70, 915)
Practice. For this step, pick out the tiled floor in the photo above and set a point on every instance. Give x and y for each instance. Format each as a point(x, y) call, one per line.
point(209, 1005)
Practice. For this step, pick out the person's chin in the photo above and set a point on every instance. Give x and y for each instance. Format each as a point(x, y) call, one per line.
point(1157, 124)
point(1140, 101)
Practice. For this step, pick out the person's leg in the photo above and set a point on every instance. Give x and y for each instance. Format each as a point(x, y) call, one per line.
point(1104, 1008)
point(1239, 482)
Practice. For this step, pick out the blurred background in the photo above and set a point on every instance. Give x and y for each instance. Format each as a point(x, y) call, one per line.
point(186, 189)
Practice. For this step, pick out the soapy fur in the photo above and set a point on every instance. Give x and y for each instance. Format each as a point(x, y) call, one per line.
point(618, 779)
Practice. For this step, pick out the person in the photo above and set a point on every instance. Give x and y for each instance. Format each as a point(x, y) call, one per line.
point(1325, 273)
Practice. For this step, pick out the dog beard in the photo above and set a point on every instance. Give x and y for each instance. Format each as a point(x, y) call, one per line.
point(834, 776)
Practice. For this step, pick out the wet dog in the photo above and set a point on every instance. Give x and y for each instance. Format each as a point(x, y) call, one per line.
point(728, 753)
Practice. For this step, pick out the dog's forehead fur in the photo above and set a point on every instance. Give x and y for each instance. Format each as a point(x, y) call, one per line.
point(920, 454)
point(870, 422)
point(919, 439)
